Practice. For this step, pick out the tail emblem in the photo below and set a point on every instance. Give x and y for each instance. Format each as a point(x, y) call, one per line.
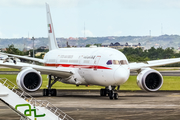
point(49, 28)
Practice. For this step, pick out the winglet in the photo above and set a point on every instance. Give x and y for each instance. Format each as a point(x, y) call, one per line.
point(51, 36)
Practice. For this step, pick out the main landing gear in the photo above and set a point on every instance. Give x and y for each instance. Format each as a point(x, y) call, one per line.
point(49, 91)
point(110, 91)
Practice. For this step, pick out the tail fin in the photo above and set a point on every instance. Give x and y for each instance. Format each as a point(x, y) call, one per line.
point(51, 36)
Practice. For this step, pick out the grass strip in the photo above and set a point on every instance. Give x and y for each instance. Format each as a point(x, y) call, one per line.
point(9, 69)
point(170, 83)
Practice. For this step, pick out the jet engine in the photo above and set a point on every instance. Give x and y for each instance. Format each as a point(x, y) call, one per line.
point(29, 80)
point(149, 80)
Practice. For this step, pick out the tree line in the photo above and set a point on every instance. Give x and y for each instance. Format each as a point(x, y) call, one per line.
point(140, 55)
point(12, 50)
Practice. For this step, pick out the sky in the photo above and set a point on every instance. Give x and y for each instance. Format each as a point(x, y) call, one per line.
point(100, 18)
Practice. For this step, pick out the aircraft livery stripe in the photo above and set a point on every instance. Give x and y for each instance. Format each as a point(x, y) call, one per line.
point(77, 66)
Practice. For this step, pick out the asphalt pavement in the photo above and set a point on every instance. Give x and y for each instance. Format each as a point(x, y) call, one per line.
point(88, 105)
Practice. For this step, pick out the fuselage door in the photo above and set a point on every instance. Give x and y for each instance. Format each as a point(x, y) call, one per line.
point(96, 61)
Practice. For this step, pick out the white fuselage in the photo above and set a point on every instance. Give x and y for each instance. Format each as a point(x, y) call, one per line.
point(91, 66)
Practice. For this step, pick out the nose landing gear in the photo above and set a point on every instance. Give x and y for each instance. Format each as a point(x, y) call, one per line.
point(110, 90)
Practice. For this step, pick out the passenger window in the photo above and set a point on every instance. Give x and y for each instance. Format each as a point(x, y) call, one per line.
point(109, 62)
point(123, 62)
point(115, 62)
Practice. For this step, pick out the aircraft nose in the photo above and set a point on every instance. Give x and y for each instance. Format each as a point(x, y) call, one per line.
point(121, 75)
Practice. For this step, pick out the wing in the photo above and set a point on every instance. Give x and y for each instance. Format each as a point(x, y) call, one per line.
point(61, 72)
point(153, 63)
point(24, 57)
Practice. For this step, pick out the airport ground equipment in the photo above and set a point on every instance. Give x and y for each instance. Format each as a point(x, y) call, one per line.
point(26, 106)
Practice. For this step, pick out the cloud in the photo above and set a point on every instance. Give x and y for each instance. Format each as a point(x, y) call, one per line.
point(16, 36)
point(112, 32)
point(172, 4)
point(38, 3)
point(149, 4)
point(88, 33)
point(118, 33)
point(128, 4)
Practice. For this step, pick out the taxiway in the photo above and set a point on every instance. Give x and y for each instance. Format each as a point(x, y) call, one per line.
point(88, 105)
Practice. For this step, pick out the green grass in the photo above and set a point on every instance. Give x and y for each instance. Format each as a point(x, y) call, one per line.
point(166, 68)
point(8, 69)
point(170, 83)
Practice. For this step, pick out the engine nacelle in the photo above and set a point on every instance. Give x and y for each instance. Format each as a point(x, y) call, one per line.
point(149, 80)
point(29, 80)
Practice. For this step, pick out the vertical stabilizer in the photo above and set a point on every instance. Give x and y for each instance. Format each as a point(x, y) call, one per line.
point(51, 36)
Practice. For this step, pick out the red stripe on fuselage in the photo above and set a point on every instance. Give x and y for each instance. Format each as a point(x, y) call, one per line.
point(77, 66)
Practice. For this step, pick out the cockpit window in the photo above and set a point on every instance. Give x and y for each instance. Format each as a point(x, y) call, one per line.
point(123, 62)
point(109, 62)
point(115, 62)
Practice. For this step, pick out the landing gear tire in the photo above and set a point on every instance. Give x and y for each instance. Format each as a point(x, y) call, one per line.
point(51, 82)
point(103, 92)
point(111, 95)
point(51, 92)
point(110, 91)
point(45, 92)
point(115, 96)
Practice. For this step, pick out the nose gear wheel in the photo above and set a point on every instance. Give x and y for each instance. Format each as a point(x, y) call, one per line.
point(110, 91)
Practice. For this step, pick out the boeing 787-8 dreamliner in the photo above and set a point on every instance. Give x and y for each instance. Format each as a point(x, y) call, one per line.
point(85, 66)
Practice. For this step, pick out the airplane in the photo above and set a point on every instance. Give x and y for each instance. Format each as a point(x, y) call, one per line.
point(101, 66)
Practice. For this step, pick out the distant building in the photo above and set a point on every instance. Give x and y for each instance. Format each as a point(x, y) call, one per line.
point(119, 45)
point(42, 47)
point(39, 53)
point(105, 44)
point(178, 50)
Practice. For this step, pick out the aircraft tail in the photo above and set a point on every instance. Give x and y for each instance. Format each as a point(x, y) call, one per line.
point(51, 36)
